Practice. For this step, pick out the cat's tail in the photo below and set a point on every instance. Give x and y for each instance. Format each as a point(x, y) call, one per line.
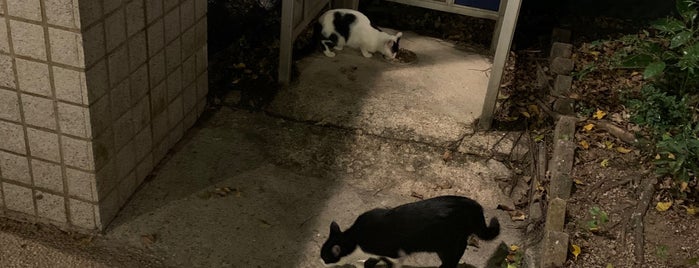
point(489, 232)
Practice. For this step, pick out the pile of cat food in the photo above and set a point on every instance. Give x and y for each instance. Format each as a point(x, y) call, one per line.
point(404, 56)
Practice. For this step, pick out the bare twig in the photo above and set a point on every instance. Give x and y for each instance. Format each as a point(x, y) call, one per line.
point(616, 131)
point(647, 190)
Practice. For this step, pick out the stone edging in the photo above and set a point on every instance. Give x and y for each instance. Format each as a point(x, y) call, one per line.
point(554, 246)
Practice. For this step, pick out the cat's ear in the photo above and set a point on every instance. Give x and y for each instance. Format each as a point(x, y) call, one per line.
point(334, 228)
point(390, 43)
point(336, 250)
point(399, 34)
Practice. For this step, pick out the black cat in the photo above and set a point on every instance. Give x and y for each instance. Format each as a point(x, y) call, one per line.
point(441, 225)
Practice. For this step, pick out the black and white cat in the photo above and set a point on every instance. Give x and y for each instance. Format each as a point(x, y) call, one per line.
point(439, 225)
point(347, 27)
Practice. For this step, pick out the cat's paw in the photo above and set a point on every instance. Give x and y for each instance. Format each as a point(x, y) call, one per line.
point(366, 54)
point(337, 48)
point(329, 54)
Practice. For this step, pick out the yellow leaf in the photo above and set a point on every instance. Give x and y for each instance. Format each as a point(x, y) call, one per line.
point(623, 150)
point(671, 156)
point(691, 210)
point(533, 109)
point(663, 206)
point(657, 157)
point(578, 182)
point(609, 265)
point(514, 247)
point(608, 144)
point(239, 66)
point(683, 186)
point(599, 114)
point(525, 114)
point(588, 127)
point(584, 144)
point(604, 163)
point(575, 249)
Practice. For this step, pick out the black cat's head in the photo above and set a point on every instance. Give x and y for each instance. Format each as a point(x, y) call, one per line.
point(392, 46)
point(336, 246)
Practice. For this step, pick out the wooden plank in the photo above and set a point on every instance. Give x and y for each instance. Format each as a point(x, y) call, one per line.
point(501, 52)
point(314, 7)
point(446, 7)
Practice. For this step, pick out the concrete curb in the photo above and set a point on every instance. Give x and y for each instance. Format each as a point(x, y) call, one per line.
point(554, 246)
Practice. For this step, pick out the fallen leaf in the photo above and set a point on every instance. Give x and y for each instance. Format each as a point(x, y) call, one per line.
point(609, 265)
point(663, 206)
point(447, 155)
point(691, 210)
point(525, 114)
point(575, 249)
point(514, 247)
point(604, 163)
point(239, 66)
point(588, 127)
point(623, 150)
point(584, 144)
point(539, 138)
point(671, 156)
point(578, 182)
point(148, 239)
point(608, 144)
point(599, 114)
point(657, 157)
point(683, 186)
point(517, 215)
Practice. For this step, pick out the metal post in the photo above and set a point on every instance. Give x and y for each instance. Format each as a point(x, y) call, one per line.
point(286, 41)
point(507, 30)
point(498, 25)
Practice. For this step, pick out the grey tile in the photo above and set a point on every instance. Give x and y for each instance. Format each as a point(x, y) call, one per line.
point(158, 98)
point(63, 13)
point(169, 4)
point(70, 85)
point(7, 72)
point(189, 42)
point(126, 187)
point(66, 47)
point(187, 10)
point(28, 39)
point(172, 25)
point(51, 206)
point(123, 130)
point(135, 17)
point(74, 120)
point(144, 168)
point(111, 5)
point(154, 9)
point(189, 98)
point(138, 52)
point(15, 168)
point(156, 66)
point(156, 37)
point(101, 115)
point(77, 153)
point(174, 84)
point(27, 9)
point(12, 136)
point(107, 179)
point(173, 55)
point(18, 198)
point(9, 105)
point(202, 61)
point(39, 111)
point(104, 149)
point(143, 142)
point(97, 80)
point(139, 83)
point(200, 8)
point(43, 144)
point(82, 214)
point(121, 99)
point(108, 208)
point(125, 161)
point(175, 113)
point(94, 44)
point(141, 113)
point(4, 44)
point(90, 11)
point(118, 66)
point(160, 127)
point(201, 34)
point(115, 27)
point(202, 85)
point(81, 184)
point(33, 77)
point(47, 175)
point(189, 73)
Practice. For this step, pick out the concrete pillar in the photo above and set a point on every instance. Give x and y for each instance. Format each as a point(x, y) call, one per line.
point(92, 95)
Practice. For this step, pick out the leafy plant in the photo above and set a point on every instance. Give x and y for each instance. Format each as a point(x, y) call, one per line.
point(598, 218)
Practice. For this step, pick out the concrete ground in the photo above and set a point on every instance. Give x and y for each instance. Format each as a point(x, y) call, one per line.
point(252, 190)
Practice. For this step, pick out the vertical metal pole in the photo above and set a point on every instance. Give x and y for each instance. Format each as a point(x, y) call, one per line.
point(286, 41)
point(498, 25)
point(509, 21)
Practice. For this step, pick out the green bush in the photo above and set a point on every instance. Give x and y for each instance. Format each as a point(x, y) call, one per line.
point(667, 105)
